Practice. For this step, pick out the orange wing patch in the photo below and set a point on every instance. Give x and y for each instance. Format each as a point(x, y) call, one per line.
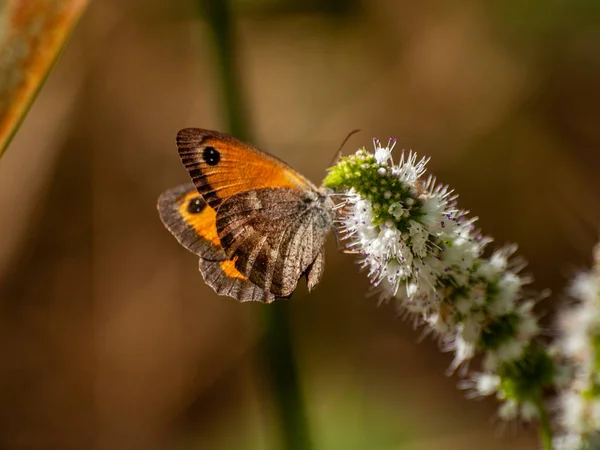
point(204, 223)
point(193, 223)
point(243, 168)
point(228, 267)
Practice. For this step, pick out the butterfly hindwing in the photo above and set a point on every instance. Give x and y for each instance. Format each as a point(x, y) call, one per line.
point(225, 279)
point(222, 166)
point(275, 235)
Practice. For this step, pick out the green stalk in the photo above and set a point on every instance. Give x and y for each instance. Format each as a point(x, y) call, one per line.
point(218, 17)
point(545, 426)
point(282, 369)
point(277, 345)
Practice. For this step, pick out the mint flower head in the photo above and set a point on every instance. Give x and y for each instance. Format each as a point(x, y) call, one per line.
point(578, 350)
point(421, 250)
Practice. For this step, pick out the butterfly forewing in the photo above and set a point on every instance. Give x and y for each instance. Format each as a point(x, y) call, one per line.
point(222, 166)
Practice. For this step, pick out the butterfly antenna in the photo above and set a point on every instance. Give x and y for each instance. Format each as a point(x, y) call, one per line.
point(338, 154)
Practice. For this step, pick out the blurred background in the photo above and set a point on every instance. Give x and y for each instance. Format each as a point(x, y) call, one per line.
point(109, 338)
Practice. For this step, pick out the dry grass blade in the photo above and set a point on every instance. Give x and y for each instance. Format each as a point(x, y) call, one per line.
point(32, 33)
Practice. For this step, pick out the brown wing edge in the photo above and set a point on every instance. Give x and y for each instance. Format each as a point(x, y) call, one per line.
point(314, 273)
point(240, 289)
point(188, 142)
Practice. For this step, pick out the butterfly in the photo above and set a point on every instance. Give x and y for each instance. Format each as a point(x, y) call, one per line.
point(257, 225)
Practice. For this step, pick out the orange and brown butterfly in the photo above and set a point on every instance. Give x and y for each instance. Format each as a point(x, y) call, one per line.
point(257, 225)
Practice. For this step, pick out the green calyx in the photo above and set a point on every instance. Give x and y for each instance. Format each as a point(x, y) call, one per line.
point(596, 346)
point(391, 198)
point(500, 330)
point(525, 379)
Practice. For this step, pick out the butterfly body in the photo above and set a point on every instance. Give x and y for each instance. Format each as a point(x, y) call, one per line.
point(256, 224)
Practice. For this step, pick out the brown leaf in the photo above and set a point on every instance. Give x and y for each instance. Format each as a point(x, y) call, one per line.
point(32, 33)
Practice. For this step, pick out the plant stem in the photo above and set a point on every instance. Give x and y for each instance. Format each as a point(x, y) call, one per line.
point(277, 343)
point(545, 427)
point(282, 368)
point(218, 17)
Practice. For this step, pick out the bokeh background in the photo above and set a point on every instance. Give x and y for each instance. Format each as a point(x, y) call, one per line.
point(109, 338)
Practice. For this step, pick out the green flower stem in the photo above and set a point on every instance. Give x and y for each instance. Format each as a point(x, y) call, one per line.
point(282, 368)
point(545, 426)
point(218, 17)
point(277, 344)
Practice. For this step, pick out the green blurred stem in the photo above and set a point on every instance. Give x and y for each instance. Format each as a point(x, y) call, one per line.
point(281, 366)
point(218, 16)
point(545, 426)
point(277, 345)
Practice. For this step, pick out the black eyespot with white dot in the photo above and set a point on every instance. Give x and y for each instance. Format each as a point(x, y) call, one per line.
point(211, 156)
point(196, 206)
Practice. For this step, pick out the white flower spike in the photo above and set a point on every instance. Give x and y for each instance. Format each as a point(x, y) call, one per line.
point(422, 251)
point(578, 348)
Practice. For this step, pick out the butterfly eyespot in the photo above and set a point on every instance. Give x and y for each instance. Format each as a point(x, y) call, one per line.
point(211, 156)
point(196, 206)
